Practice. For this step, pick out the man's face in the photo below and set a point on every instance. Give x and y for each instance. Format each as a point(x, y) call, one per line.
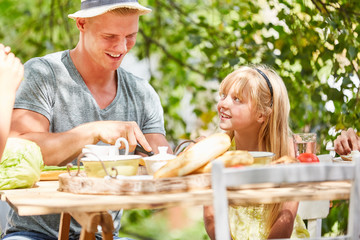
point(108, 37)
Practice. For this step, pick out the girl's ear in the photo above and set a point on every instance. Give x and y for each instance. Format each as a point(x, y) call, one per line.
point(260, 118)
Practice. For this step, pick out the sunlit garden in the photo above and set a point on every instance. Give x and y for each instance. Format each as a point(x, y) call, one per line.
point(185, 48)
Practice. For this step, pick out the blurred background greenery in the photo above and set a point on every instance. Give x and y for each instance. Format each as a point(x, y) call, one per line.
point(189, 46)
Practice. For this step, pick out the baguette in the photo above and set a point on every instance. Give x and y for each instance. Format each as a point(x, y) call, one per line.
point(229, 159)
point(196, 156)
point(346, 157)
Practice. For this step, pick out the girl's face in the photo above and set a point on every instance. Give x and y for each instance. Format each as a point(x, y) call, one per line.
point(237, 114)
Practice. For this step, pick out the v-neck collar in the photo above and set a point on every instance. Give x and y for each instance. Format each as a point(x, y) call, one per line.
point(76, 76)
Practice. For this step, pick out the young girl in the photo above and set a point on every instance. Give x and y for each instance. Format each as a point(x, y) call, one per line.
point(11, 74)
point(254, 109)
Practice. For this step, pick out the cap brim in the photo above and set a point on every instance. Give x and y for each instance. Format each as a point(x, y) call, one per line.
point(92, 12)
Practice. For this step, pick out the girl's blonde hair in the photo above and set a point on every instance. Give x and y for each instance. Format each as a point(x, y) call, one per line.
point(275, 107)
point(249, 83)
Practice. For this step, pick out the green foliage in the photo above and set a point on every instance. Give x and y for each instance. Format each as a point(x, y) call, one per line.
point(155, 227)
point(195, 44)
point(336, 222)
point(34, 28)
point(307, 42)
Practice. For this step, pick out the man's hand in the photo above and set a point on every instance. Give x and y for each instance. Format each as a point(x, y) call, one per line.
point(346, 142)
point(61, 148)
point(110, 131)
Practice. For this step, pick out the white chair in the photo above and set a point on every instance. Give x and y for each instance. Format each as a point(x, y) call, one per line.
point(315, 211)
point(284, 174)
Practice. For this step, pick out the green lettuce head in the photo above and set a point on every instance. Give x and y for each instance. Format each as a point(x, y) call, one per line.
point(21, 164)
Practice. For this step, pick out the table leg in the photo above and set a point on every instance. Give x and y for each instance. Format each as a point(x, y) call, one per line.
point(107, 236)
point(86, 235)
point(90, 221)
point(64, 226)
point(107, 226)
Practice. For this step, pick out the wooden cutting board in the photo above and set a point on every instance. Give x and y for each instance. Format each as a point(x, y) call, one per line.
point(131, 186)
point(51, 173)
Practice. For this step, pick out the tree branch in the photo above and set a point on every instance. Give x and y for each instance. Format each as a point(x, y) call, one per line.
point(66, 22)
point(168, 54)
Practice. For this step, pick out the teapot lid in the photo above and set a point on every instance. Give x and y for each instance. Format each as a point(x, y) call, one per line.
point(162, 155)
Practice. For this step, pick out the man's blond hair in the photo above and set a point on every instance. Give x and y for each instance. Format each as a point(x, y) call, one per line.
point(125, 11)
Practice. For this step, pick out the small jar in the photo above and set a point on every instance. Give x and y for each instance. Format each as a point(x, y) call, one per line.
point(156, 161)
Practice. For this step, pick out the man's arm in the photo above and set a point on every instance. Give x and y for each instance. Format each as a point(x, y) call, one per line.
point(157, 140)
point(62, 148)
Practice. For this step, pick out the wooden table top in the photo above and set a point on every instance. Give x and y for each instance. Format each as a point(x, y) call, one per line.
point(46, 199)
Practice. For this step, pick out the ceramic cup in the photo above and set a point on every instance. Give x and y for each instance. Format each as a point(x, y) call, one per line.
point(102, 160)
point(107, 150)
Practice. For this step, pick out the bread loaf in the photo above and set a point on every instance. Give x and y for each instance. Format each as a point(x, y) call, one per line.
point(195, 157)
point(229, 159)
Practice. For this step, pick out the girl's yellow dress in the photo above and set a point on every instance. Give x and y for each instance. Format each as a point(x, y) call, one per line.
point(250, 223)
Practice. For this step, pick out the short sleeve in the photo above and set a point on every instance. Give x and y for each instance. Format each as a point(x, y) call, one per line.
point(37, 90)
point(154, 121)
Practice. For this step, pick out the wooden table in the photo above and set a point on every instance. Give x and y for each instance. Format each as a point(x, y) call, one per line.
point(92, 210)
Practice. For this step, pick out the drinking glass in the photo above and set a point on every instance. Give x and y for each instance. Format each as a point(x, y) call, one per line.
point(304, 143)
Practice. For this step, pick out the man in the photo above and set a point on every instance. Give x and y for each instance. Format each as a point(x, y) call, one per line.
point(82, 96)
point(346, 142)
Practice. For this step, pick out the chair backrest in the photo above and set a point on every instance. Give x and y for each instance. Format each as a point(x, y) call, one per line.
point(284, 174)
point(314, 211)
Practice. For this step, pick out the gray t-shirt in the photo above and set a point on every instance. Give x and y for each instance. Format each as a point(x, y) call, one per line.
point(54, 88)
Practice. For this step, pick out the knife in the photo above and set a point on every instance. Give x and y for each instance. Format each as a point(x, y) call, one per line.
point(140, 148)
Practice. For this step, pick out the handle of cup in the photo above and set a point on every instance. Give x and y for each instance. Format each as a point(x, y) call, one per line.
point(86, 153)
point(122, 140)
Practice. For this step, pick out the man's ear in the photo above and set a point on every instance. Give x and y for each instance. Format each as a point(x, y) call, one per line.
point(80, 23)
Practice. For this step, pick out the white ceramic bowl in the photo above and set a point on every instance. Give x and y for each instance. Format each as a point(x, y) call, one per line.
point(126, 165)
point(262, 158)
point(155, 162)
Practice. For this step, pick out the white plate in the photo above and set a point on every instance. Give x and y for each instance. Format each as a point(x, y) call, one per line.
point(262, 154)
point(91, 158)
point(340, 160)
point(136, 177)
